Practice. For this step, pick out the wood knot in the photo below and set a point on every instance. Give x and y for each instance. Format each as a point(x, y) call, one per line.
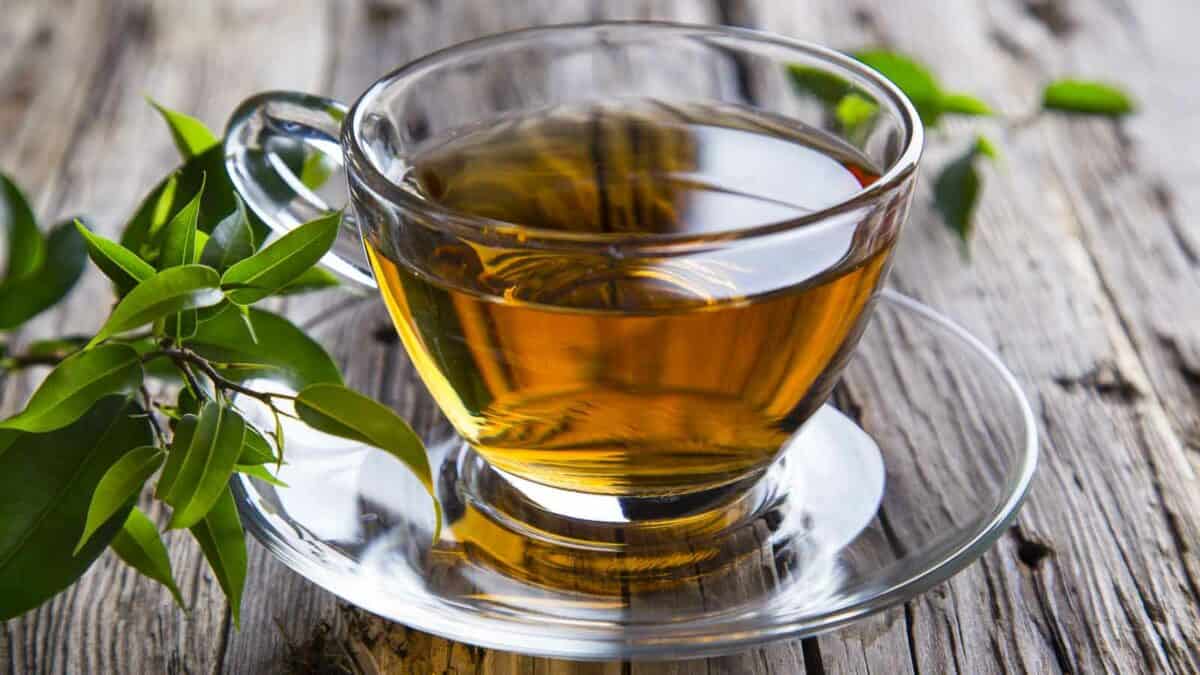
point(1104, 379)
point(43, 37)
point(385, 334)
point(385, 11)
point(1030, 552)
point(1051, 14)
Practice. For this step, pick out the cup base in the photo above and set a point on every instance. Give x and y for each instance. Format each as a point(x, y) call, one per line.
point(503, 532)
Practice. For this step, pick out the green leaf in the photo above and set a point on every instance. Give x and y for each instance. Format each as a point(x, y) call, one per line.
point(286, 353)
point(956, 190)
point(279, 439)
point(187, 403)
point(57, 347)
point(822, 84)
point(167, 292)
point(139, 545)
point(853, 110)
point(185, 431)
point(313, 279)
point(26, 247)
point(24, 298)
point(921, 87)
point(856, 115)
point(434, 316)
point(179, 242)
point(244, 316)
point(317, 169)
point(914, 79)
point(221, 538)
point(281, 262)
point(143, 234)
point(334, 409)
point(260, 472)
point(955, 193)
point(1088, 97)
point(232, 240)
point(118, 263)
point(191, 136)
point(46, 484)
point(76, 384)
point(181, 326)
point(121, 483)
point(167, 201)
point(255, 449)
point(207, 465)
point(985, 147)
point(213, 311)
point(964, 104)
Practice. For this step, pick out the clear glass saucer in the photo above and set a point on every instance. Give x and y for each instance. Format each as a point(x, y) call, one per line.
point(914, 469)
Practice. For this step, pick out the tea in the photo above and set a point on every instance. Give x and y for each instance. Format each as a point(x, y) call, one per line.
point(631, 374)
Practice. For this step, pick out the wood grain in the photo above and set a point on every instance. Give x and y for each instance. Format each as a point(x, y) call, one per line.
point(1084, 276)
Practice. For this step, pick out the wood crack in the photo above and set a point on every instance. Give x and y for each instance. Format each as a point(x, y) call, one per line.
point(1178, 540)
point(1106, 380)
point(889, 533)
point(1151, 611)
point(1162, 197)
point(869, 24)
point(1008, 44)
point(333, 16)
point(990, 585)
point(1052, 15)
point(736, 13)
point(813, 663)
point(952, 638)
point(1042, 592)
point(1054, 635)
point(1189, 371)
point(223, 642)
point(1145, 648)
point(910, 633)
point(7, 651)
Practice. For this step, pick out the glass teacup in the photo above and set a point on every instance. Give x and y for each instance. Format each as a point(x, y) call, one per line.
point(628, 260)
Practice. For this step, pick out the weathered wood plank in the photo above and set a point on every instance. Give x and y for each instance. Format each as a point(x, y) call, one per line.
point(1084, 269)
point(1131, 192)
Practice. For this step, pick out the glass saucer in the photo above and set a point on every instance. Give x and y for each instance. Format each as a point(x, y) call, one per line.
point(910, 473)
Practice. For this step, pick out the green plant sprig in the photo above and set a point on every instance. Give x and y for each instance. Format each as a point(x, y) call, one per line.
point(958, 184)
point(188, 271)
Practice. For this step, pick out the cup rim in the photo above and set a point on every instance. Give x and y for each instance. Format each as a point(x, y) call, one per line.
point(475, 226)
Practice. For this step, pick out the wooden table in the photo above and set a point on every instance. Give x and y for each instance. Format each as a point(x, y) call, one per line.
point(1085, 277)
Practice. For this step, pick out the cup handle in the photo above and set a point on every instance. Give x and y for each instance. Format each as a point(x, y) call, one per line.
point(268, 137)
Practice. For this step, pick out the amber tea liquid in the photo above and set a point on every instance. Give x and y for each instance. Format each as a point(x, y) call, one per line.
point(617, 374)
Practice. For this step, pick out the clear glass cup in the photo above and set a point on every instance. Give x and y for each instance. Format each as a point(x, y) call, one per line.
point(646, 491)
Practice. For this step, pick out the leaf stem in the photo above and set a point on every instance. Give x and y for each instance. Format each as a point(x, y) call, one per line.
point(149, 404)
point(186, 359)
